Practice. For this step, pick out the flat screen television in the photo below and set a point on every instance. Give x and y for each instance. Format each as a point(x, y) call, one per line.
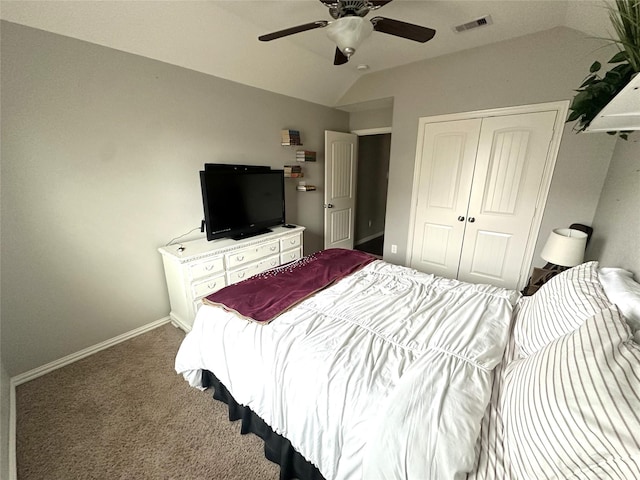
point(240, 203)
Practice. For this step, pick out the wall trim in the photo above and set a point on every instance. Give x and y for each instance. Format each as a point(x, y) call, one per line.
point(74, 357)
point(50, 367)
point(372, 131)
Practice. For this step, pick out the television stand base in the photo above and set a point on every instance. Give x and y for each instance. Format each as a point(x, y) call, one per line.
point(242, 236)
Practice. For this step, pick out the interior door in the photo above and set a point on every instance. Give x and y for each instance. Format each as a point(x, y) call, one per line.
point(512, 154)
point(341, 161)
point(444, 186)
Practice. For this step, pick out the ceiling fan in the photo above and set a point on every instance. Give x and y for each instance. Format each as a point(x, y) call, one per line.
point(349, 28)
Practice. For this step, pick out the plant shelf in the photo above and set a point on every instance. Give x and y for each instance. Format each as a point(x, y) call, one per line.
point(622, 113)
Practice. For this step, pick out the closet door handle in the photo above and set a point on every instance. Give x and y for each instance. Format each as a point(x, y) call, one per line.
point(461, 218)
point(472, 219)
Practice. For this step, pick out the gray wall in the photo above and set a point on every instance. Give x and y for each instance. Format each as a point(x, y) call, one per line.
point(373, 168)
point(536, 68)
point(376, 118)
point(100, 157)
point(616, 226)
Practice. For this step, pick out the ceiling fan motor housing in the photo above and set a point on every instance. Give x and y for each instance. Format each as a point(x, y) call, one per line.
point(347, 8)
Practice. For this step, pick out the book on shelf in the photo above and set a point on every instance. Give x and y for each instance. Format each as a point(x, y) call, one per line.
point(305, 156)
point(290, 137)
point(293, 171)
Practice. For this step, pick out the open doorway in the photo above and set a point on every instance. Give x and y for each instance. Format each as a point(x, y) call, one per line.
point(371, 191)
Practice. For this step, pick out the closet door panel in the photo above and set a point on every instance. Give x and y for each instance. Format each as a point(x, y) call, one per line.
point(512, 153)
point(445, 176)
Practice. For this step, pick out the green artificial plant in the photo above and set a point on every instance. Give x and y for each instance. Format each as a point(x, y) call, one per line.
point(598, 90)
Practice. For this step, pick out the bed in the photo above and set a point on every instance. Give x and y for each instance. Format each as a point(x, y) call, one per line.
point(385, 372)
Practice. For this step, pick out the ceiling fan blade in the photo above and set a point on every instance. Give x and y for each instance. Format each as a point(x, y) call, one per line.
point(340, 58)
point(379, 3)
point(402, 29)
point(292, 30)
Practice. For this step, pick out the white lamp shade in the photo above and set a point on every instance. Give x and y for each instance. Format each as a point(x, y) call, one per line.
point(565, 247)
point(349, 32)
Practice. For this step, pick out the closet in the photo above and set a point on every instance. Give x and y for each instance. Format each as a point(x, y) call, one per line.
point(479, 189)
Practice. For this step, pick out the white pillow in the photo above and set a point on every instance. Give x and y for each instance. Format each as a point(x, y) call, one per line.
point(560, 306)
point(572, 410)
point(622, 290)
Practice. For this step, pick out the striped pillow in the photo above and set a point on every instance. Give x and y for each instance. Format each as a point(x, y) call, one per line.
point(559, 307)
point(572, 410)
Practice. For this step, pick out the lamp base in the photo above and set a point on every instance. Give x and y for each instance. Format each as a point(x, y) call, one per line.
point(540, 276)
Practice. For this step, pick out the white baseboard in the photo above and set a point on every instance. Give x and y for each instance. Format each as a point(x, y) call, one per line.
point(74, 357)
point(50, 367)
point(369, 238)
point(176, 322)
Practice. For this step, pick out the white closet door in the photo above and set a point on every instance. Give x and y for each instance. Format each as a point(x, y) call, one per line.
point(512, 154)
point(444, 185)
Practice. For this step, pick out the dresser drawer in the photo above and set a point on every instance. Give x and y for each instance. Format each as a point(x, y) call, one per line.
point(248, 255)
point(206, 268)
point(258, 267)
point(290, 256)
point(288, 243)
point(202, 289)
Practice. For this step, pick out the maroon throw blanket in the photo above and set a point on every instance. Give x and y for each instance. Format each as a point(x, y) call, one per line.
point(266, 295)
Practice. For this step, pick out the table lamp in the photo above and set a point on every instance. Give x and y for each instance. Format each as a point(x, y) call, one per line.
point(564, 248)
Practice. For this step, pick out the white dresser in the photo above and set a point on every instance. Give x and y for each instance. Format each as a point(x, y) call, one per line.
point(204, 267)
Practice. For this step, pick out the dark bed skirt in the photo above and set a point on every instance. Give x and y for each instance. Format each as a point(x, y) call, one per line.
point(276, 448)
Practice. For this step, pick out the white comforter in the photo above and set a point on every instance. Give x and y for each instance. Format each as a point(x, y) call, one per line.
point(384, 375)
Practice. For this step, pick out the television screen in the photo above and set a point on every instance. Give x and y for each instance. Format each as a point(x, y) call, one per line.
point(240, 203)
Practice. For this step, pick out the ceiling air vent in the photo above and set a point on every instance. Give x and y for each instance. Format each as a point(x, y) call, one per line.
point(478, 22)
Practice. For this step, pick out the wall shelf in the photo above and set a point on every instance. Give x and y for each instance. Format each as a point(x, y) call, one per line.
point(303, 187)
point(305, 156)
point(293, 171)
point(290, 137)
point(622, 113)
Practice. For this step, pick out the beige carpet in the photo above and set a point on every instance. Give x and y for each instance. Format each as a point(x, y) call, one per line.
point(123, 413)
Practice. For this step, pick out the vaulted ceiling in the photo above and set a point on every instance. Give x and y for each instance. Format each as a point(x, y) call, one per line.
point(219, 37)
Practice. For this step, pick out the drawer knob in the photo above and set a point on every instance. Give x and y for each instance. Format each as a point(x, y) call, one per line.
point(292, 241)
point(240, 257)
point(209, 267)
point(273, 247)
point(240, 274)
point(211, 285)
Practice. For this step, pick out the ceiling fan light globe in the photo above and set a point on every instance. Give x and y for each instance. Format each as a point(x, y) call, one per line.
point(348, 33)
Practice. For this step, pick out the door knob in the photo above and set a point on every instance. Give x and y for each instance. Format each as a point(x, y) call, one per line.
point(328, 205)
point(461, 218)
point(472, 219)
